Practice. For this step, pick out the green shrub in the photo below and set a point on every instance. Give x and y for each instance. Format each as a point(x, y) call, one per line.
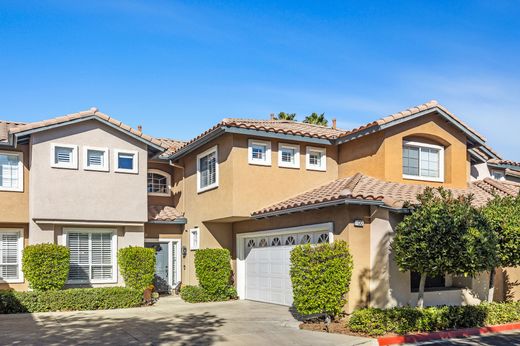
point(195, 294)
point(137, 266)
point(376, 322)
point(69, 300)
point(46, 266)
point(320, 277)
point(213, 270)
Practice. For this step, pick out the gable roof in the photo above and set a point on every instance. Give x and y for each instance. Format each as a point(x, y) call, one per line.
point(501, 162)
point(363, 189)
point(23, 129)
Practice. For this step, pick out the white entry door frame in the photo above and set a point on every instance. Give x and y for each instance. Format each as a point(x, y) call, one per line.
point(174, 246)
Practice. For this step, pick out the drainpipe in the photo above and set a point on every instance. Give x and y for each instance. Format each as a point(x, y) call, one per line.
point(183, 183)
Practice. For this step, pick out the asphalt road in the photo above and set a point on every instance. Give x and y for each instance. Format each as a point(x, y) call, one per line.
point(502, 339)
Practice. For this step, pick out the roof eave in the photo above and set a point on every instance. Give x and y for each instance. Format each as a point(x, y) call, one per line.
point(177, 221)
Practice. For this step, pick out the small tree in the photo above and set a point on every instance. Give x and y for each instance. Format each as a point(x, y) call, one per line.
point(46, 266)
point(443, 235)
point(503, 218)
point(317, 119)
point(286, 116)
point(137, 266)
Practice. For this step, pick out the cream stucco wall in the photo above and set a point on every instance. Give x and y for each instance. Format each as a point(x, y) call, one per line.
point(14, 205)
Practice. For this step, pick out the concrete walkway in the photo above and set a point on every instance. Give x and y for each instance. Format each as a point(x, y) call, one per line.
point(169, 322)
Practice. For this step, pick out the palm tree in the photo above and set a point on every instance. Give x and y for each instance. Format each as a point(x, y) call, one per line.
point(285, 116)
point(316, 119)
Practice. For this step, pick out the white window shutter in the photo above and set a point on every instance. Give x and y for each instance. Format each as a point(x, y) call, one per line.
point(95, 158)
point(78, 244)
point(63, 155)
point(101, 250)
point(9, 256)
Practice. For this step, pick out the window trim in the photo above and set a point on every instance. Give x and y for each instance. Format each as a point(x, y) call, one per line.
point(168, 182)
point(73, 164)
point(115, 273)
point(201, 155)
point(104, 168)
point(439, 179)
point(20, 244)
point(492, 173)
point(21, 172)
point(268, 152)
point(192, 245)
point(323, 166)
point(135, 165)
point(296, 148)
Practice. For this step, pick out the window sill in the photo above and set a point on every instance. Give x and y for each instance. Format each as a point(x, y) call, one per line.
point(207, 188)
point(11, 190)
point(254, 163)
point(412, 177)
point(95, 169)
point(288, 166)
point(126, 171)
point(12, 281)
point(318, 169)
point(89, 282)
point(158, 194)
point(64, 167)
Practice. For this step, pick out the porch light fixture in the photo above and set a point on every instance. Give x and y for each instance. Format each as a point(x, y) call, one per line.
point(359, 223)
point(184, 251)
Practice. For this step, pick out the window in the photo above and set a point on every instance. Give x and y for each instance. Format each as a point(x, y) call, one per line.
point(259, 152)
point(194, 239)
point(11, 245)
point(159, 183)
point(92, 255)
point(498, 175)
point(432, 282)
point(423, 161)
point(288, 155)
point(95, 159)
point(207, 170)
point(64, 156)
point(11, 171)
point(126, 161)
point(316, 159)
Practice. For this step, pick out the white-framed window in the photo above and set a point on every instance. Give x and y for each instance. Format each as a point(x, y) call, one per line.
point(11, 246)
point(159, 183)
point(64, 156)
point(194, 238)
point(422, 161)
point(498, 175)
point(95, 159)
point(207, 169)
point(288, 155)
point(11, 171)
point(259, 152)
point(92, 255)
point(316, 159)
point(126, 161)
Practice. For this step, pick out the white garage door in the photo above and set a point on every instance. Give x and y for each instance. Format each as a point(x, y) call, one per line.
point(267, 265)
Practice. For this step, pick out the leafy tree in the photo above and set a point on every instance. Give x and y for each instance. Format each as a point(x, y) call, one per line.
point(285, 116)
point(443, 234)
point(317, 119)
point(503, 217)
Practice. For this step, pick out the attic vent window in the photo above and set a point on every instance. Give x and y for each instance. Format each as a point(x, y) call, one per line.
point(423, 161)
point(95, 159)
point(64, 156)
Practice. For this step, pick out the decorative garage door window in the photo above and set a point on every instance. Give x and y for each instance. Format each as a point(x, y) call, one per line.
point(287, 240)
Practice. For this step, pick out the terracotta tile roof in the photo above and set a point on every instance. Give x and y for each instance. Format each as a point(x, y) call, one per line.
point(163, 213)
point(409, 112)
point(84, 114)
point(394, 195)
point(513, 173)
point(171, 144)
point(5, 126)
point(504, 162)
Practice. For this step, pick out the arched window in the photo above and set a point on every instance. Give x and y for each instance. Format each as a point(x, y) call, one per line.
point(159, 183)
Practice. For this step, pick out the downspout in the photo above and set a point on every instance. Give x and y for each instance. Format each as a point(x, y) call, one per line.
point(183, 185)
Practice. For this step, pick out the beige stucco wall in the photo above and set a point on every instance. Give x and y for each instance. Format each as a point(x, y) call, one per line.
point(14, 205)
point(380, 154)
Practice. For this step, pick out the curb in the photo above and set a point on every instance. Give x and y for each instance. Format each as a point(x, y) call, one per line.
point(457, 333)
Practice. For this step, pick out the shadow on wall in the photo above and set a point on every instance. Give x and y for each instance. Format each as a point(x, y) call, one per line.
point(189, 329)
point(510, 287)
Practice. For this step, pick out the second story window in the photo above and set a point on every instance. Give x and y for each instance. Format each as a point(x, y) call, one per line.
point(95, 159)
point(158, 183)
point(207, 170)
point(11, 171)
point(288, 155)
point(423, 161)
point(498, 175)
point(64, 156)
point(259, 152)
point(316, 159)
point(126, 161)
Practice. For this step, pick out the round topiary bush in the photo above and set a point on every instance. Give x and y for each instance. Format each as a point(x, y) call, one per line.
point(137, 266)
point(46, 266)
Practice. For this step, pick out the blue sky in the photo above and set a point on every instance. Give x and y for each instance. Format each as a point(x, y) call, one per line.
point(177, 67)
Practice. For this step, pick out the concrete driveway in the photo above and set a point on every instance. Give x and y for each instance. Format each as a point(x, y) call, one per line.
point(170, 322)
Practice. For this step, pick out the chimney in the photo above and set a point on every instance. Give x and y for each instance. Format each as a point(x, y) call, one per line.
point(334, 123)
point(139, 128)
point(272, 116)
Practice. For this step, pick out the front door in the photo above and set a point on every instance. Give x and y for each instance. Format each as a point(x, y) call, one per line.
point(162, 278)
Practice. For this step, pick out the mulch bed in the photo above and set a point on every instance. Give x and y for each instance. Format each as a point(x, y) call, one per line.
point(338, 327)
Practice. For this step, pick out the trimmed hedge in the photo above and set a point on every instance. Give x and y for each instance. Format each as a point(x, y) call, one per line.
point(320, 276)
point(197, 294)
point(213, 269)
point(376, 322)
point(137, 266)
point(46, 266)
point(12, 302)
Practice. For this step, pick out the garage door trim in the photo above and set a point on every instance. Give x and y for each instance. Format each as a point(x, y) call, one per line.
point(240, 247)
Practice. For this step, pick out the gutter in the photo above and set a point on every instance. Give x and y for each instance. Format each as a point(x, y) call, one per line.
point(513, 167)
point(177, 221)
